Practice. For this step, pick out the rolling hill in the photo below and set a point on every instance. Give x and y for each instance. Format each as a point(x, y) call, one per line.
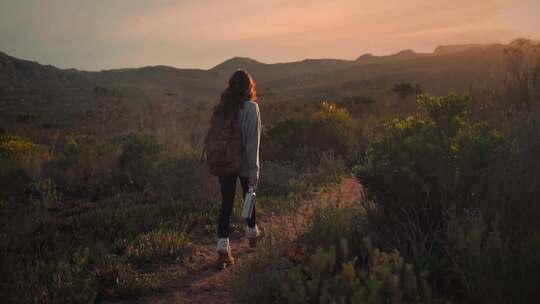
point(28, 87)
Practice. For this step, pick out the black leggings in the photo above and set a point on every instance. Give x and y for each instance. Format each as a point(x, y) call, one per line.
point(228, 193)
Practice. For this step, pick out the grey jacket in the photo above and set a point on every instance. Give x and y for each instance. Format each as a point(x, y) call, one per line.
point(250, 125)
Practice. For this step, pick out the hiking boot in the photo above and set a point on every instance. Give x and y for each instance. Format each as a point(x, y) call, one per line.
point(225, 259)
point(252, 234)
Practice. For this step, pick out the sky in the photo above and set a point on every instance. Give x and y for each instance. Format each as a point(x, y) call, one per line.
point(105, 34)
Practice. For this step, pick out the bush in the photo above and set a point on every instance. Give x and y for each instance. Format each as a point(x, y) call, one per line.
point(166, 176)
point(329, 225)
point(330, 130)
point(513, 192)
point(404, 89)
point(335, 276)
point(266, 271)
point(490, 265)
point(138, 158)
point(86, 167)
point(356, 272)
point(458, 200)
point(263, 274)
point(422, 168)
point(21, 162)
point(183, 176)
point(284, 185)
point(493, 247)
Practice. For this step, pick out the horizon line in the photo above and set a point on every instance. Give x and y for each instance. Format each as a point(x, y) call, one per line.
point(270, 63)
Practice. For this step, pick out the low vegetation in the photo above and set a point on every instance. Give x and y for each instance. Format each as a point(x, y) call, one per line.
point(449, 216)
point(449, 213)
point(330, 130)
point(85, 216)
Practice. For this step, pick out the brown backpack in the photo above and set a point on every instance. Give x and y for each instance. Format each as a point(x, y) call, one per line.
point(223, 146)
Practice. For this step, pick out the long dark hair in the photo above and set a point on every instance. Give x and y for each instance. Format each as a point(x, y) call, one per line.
point(241, 88)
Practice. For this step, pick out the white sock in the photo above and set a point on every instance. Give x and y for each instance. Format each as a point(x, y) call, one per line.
point(223, 244)
point(252, 233)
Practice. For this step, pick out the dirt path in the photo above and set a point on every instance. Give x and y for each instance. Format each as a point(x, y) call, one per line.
point(202, 283)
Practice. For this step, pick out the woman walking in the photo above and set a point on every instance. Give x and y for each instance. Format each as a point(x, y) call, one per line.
point(232, 150)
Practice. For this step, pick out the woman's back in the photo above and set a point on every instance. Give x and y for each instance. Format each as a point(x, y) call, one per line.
point(238, 107)
point(250, 125)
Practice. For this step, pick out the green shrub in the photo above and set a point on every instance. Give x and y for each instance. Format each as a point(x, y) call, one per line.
point(166, 176)
point(183, 176)
point(404, 89)
point(261, 277)
point(71, 154)
point(422, 168)
point(138, 158)
point(335, 276)
point(330, 130)
point(285, 140)
point(18, 147)
point(493, 247)
point(81, 164)
point(329, 225)
point(21, 162)
point(355, 272)
point(458, 200)
point(492, 266)
point(513, 195)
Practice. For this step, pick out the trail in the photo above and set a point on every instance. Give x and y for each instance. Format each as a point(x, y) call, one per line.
point(202, 283)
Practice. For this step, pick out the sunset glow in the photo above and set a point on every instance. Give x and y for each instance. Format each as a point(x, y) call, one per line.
point(105, 34)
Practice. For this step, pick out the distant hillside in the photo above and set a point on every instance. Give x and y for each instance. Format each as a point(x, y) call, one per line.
point(27, 86)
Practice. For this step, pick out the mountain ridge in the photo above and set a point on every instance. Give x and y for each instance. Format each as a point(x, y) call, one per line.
point(28, 86)
point(451, 48)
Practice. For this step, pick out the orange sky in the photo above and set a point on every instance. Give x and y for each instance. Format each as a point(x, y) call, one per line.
point(126, 33)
